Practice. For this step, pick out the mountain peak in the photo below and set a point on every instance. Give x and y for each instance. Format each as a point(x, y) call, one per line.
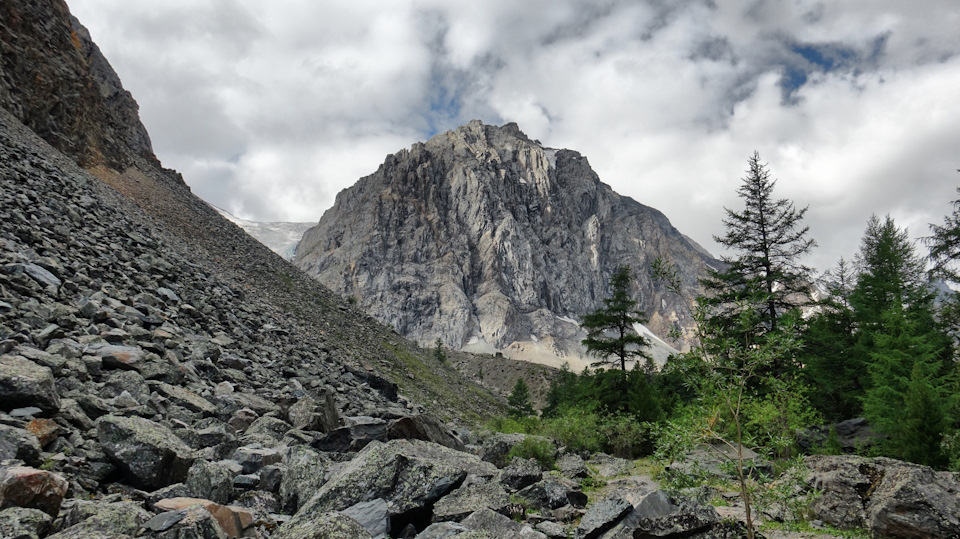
point(485, 239)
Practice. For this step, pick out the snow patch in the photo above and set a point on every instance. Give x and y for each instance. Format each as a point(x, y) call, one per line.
point(551, 157)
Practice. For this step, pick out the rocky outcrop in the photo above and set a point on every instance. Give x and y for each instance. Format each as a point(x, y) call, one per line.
point(490, 241)
point(54, 79)
point(890, 498)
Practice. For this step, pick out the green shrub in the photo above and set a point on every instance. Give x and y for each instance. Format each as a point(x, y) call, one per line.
point(539, 449)
point(575, 428)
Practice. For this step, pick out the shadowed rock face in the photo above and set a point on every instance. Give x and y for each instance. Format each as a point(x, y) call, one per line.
point(483, 236)
point(54, 79)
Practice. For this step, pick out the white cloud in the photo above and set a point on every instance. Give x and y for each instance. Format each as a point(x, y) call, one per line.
point(269, 109)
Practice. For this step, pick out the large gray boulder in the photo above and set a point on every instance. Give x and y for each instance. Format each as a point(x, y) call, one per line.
point(467, 499)
point(497, 525)
point(303, 475)
point(24, 523)
point(330, 525)
point(408, 474)
point(424, 427)
point(889, 497)
point(95, 520)
point(21, 486)
point(24, 383)
point(19, 444)
point(149, 453)
point(602, 516)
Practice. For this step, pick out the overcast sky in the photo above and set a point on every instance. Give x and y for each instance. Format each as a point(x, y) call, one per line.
point(270, 108)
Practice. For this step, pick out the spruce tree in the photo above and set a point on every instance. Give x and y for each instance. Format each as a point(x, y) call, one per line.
point(519, 400)
point(831, 368)
point(944, 243)
point(617, 317)
point(769, 239)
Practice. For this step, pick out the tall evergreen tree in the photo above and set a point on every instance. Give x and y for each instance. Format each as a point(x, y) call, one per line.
point(891, 274)
point(617, 317)
point(831, 368)
point(519, 400)
point(944, 243)
point(769, 238)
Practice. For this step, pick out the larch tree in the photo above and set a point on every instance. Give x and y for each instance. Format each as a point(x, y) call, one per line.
point(611, 336)
point(769, 239)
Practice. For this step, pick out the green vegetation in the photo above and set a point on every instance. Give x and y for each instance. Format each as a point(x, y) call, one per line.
point(881, 344)
point(519, 400)
point(539, 449)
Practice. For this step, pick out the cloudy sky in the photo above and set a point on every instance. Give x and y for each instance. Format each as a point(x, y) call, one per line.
point(270, 108)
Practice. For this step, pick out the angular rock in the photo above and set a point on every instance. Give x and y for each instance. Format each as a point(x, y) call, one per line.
point(322, 526)
point(519, 474)
point(656, 514)
point(408, 474)
point(304, 475)
point(149, 453)
point(310, 414)
point(24, 523)
point(889, 497)
point(98, 520)
point(42, 276)
point(602, 516)
point(19, 444)
point(373, 515)
point(498, 525)
point(254, 457)
point(213, 480)
point(22, 486)
point(233, 520)
point(423, 427)
point(24, 383)
point(468, 499)
point(554, 493)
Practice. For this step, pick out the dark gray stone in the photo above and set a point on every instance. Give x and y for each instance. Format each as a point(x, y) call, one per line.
point(602, 516)
point(24, 383)
point(149, 453)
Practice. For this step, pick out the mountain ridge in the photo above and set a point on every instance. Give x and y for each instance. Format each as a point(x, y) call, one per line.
point(489, 241)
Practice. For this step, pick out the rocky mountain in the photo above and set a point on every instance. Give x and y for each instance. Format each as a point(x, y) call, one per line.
point(492, 242)
point(280, 237)
point(165, 376)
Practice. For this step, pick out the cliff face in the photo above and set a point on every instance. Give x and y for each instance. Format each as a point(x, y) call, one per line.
point(487, 240)
point(54, 79)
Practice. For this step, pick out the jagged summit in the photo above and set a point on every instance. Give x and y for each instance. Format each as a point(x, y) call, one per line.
point(490, 241)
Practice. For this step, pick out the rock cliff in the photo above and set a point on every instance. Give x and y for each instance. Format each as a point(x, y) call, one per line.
point(492, 242)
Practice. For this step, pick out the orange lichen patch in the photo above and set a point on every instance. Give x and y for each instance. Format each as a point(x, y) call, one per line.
point(46, 430)
point(75, 39)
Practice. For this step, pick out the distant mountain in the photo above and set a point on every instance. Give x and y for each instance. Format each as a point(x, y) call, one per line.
point(491, 242)
point(281, 238)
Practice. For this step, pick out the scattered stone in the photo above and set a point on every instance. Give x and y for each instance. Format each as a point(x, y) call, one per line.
point(24, 523)
point(374, 516)
point(148, 452)
point(233, 520)
point(19, 444)
point(602, 516)
point(322, 526)
point(468, 499)
point(22, 486)
point(520, 473)
point(24, 383)
point(498, 525)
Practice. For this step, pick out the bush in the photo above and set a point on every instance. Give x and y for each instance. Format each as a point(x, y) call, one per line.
point(575, 428)
point(539, 449)
point(626, 438)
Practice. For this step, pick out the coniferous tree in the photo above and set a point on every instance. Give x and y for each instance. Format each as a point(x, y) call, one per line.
point(770, 239)
point(944, 243)
point(831, 368)
point(519, 400)
point(617, 317)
